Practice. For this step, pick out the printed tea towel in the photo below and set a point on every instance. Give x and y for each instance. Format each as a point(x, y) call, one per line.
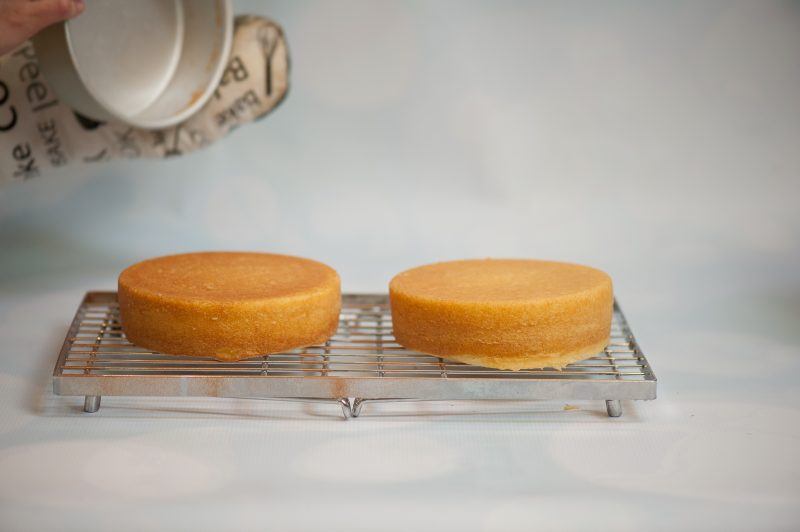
point(39, 134)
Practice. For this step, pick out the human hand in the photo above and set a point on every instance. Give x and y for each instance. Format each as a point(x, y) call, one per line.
point(38, 133)
point(22, 19)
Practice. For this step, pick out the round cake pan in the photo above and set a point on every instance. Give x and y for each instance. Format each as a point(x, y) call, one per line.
point(149, 63)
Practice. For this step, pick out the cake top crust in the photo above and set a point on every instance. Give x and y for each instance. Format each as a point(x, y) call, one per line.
point(497, 280)
point(228, 276)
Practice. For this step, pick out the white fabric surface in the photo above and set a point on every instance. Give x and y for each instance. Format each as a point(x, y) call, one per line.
point(657, 141)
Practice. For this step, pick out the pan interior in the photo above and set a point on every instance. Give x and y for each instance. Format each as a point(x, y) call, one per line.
point(151, 63)
point(127, 52)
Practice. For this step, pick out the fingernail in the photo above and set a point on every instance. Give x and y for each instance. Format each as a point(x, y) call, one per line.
point(77, 7)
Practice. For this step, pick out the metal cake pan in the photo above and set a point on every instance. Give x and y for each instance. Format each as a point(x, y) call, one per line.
point(149, 63)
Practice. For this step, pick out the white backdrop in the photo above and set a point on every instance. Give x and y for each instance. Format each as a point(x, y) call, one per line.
point(657, 141)
point(648, 140)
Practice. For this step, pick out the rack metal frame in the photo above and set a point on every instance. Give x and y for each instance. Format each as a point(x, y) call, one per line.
point(360, 364)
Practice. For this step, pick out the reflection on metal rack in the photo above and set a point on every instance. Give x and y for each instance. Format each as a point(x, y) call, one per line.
point(361, 363)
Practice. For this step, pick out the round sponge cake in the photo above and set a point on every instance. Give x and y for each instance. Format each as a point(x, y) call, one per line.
point(228, 305)
point(505, 314)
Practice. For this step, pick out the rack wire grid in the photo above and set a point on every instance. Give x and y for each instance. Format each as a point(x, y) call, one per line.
point(361, 363)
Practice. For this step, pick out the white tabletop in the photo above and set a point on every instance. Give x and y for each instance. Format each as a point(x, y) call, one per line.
point(716, 447)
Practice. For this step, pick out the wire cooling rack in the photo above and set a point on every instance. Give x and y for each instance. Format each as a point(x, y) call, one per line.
point(361, 363)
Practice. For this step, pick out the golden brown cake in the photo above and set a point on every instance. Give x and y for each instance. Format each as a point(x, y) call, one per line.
point(228, 306)
point(505, 314)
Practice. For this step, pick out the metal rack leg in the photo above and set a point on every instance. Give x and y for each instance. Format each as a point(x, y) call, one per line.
point(614, 408)
point(357, 404)
point(347, 411)
point(91, 403)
